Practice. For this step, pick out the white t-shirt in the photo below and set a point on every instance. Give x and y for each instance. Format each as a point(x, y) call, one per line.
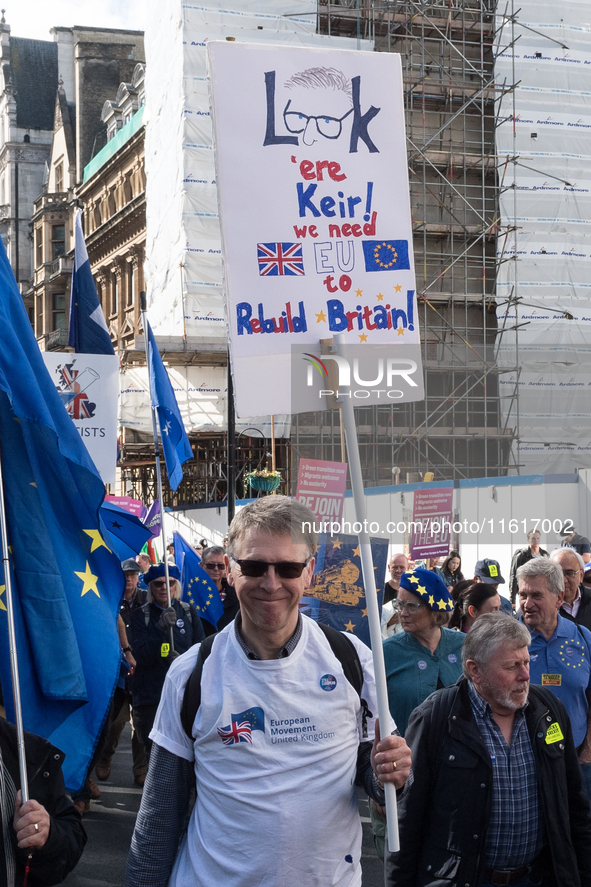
point(275, 762)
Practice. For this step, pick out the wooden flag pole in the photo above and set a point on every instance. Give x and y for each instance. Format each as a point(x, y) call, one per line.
point(371, 598)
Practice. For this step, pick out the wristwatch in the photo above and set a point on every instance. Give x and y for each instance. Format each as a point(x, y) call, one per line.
point(126, 649)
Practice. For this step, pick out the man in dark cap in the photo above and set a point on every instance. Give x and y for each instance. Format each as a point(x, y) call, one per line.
point(497, 796)
point(489, 572)
point(572, 539)
point(158, 633)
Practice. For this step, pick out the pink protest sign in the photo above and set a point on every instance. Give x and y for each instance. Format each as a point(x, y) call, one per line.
point(134, 506)
point(432, 520)
point(321, 486)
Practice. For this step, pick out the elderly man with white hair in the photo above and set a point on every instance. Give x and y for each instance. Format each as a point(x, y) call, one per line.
point(560, 650)
point(577, 597)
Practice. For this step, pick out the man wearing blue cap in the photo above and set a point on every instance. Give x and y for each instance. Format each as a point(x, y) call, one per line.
point(489, 572)
point(150, 639)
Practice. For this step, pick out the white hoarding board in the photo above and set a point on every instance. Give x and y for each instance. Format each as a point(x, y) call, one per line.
point(314, 208)
point(89, 386)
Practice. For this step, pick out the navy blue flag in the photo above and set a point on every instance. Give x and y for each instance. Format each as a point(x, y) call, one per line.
point(88, 329)
point(386, 255)
point(175, 442)
point(198, 588)
point(337, 596)
point(67, 584)
point(124, 533)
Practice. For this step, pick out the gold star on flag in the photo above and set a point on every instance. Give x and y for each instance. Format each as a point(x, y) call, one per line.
point(33, 484)
point(356, 552)
point(400, 330)
point(348, 626)
point(364, 613)
point(380, 297)
point(337, 543)
point(2, 590)
point(397, 288)
point(358, 292)
point(321, 317)
point(89, 580)
point(363, 337)
point(97, 540)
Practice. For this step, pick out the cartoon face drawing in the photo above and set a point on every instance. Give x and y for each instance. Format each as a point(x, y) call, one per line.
point(323, 103)
point(320, 102)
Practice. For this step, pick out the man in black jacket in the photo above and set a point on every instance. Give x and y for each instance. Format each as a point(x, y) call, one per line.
point(577, 597)
point(496, 795)
point(47, 826)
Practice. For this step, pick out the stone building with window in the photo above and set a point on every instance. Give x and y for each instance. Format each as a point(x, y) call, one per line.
point(96, 137)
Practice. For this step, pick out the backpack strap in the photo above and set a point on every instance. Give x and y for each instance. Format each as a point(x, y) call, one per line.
point(185, 607)
point(438, 726)
point(146, 611)
point(346, 653)
point(192, 695)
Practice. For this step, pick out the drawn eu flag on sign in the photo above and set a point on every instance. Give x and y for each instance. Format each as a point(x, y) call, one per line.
point(337, 596)
point(386, 255)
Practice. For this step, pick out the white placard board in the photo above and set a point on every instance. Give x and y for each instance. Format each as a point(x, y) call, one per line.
point(89, 387)
point(314, 207)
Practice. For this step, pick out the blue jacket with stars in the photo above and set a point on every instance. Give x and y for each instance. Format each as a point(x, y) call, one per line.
point(413, 672)
point(563, 665)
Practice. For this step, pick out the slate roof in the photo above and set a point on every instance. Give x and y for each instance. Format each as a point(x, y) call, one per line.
point(34, 71)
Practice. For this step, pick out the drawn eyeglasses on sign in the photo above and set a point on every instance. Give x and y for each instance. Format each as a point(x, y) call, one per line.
point(329, 127)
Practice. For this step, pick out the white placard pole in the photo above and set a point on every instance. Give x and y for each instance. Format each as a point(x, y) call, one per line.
point(371, 599)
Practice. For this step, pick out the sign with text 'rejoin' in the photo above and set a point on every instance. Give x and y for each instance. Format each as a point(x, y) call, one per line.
point(314, 208)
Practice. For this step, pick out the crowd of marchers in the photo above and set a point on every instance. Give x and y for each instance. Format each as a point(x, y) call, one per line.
point(250, 736)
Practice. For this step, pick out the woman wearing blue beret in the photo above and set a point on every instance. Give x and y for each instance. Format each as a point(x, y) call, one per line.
point(149, 638)
point(420, 660)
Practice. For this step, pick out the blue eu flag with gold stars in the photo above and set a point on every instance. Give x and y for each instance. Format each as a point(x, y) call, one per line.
point(386, 255)
point(198, 588)
point(337, 595)
point(67, 585)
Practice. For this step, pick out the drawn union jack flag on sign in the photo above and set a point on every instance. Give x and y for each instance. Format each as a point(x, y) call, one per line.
point(73, 397)
point(280, 259)
point(235, 733)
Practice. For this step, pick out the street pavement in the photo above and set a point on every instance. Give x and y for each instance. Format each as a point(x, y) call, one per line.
point(111, 819)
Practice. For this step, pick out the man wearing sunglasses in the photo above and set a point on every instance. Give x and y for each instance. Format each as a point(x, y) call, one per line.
point(278, 740)
point(213, 561)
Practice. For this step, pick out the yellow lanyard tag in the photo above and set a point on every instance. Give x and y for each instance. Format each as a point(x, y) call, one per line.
point(553, 734)
point(164, 650)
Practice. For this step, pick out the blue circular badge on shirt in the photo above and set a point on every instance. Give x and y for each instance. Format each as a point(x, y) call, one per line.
point(422, 664)
point(452, 657)
point(328, 682)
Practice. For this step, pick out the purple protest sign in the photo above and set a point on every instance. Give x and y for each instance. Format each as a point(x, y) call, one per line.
point(432, 519)
point(153, 519)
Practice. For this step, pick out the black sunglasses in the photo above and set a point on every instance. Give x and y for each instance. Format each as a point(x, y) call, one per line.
point(284, 569)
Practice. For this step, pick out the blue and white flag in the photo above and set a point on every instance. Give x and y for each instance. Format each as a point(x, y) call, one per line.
point(175, 442)
point(88, 329)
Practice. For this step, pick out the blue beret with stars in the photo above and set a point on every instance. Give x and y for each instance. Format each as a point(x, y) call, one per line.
point(429, 588)
point(157, 572)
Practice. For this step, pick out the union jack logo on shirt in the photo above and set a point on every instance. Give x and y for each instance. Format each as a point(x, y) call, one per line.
point(280, 259)
point(235, 733)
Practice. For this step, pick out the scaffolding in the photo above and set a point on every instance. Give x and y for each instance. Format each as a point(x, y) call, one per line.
point(458, 431)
